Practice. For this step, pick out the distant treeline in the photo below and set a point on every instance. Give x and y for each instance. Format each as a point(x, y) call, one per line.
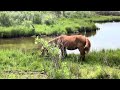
point(114, 13)
point(10, 18)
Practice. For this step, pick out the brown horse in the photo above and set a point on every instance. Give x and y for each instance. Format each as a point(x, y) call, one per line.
point(72, 42)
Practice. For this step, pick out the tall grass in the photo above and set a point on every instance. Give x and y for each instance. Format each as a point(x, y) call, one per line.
point(16, 31)
point(18, 63)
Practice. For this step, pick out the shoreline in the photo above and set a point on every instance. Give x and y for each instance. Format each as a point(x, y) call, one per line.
point(63, 26)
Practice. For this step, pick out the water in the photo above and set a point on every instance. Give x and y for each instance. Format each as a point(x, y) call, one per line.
point(23, 43)
point(106, 38)
point(27, 42)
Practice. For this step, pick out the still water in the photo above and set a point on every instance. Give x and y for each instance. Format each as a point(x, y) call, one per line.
point(108, 37)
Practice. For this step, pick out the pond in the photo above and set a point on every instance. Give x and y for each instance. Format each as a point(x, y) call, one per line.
point(106, 38)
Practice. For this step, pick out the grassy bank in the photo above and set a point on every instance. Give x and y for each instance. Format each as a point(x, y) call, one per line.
point(17, 24)
point(62, 26)
point(16, 31)
point(65, 26)
point(16, 63)
point(105, 19)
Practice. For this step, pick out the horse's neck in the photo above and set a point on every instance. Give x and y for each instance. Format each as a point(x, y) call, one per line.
point(53, 41)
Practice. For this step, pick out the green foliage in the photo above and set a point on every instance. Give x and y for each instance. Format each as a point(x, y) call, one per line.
point(49, 22)
point(105, 19)
point(107, 13)
point(15, 63)
point(8, 18)
point(5, 20)
point(80, 14)
point(37, 19)
point(50, 50)
point(16, 31)
point(65, 26)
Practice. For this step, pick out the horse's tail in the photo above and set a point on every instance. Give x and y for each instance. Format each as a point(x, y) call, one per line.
point(87, 45)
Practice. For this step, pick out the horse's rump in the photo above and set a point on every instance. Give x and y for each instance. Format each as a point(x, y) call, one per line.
point(87, 46)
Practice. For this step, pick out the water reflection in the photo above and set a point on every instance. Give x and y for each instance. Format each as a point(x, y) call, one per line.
point(89, 34)
point(23, 43)
point(25, 40)
point(17, 43)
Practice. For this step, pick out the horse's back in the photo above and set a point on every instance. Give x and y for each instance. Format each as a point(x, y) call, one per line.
point(73, 38)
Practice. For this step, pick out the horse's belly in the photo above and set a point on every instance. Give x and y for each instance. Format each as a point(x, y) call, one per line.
point(71, 48)
point(70, 45)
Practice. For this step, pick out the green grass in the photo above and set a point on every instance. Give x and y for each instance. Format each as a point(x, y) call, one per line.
point(73, 25)
point(60, 26)
point(16, 31)
point(17, 63)
point(65, 26)
point(104, 19)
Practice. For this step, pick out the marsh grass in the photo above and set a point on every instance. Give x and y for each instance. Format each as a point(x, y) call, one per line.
point(16, 31)
point(16, 63)
point(65, 26)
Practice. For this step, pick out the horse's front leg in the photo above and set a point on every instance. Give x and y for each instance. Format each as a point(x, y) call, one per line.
point(65, 52)
point(62, 52)
point(44, 51)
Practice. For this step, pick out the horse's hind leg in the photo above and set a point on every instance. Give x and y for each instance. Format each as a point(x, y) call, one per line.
point(82, 53)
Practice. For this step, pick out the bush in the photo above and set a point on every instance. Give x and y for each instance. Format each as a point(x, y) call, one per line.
point(80, 14)
point(5, 20)
point(47, 50)
point(37, 19)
